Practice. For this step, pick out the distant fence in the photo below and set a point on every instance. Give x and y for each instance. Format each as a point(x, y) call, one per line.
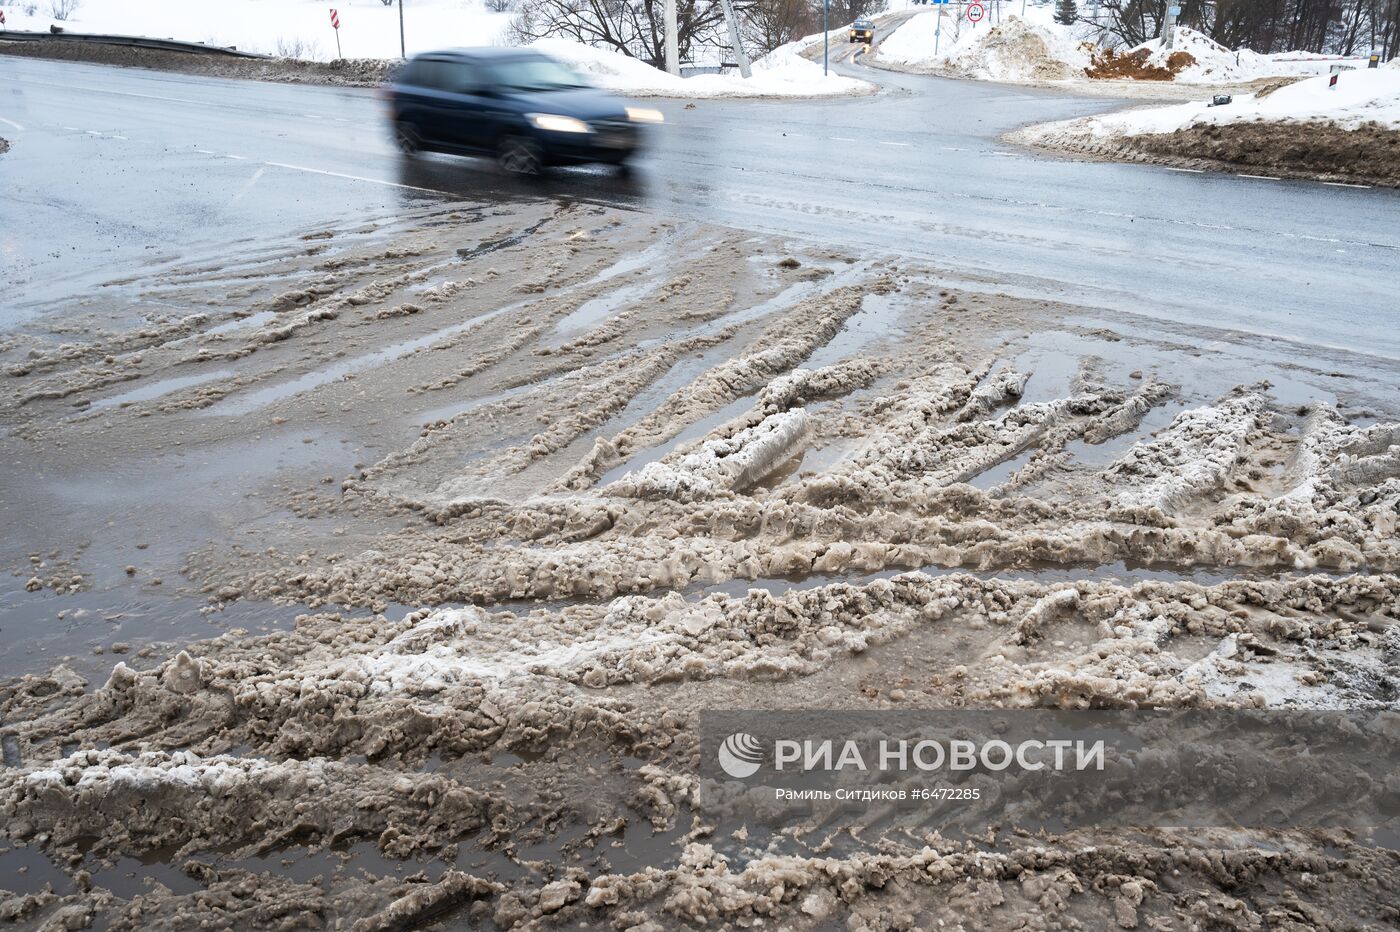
point(690, 71)
point(139, 42)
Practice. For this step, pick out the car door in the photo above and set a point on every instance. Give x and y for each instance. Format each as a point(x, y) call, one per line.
point(439, 103)
point(484, 107)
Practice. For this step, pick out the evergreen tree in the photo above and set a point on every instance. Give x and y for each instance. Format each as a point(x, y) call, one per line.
point(1066, 12)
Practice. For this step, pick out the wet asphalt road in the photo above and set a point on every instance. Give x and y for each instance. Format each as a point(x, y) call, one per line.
point(115, 169)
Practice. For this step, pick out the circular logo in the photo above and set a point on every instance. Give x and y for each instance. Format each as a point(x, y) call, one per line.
point(975, 12)
point(740, 755)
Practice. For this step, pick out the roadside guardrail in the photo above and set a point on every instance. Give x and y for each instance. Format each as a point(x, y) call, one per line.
point(140, 42)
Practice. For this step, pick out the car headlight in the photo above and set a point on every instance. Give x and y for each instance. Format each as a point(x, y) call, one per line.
point(555, 123)
point(645, 115)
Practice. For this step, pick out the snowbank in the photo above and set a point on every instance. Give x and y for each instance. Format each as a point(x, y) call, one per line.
point(1016, 50)
point(785, 75)
point(1360, 97)
point(299, 28)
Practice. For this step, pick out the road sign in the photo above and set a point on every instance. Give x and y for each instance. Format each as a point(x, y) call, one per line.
point(975, 12)
point(1333, 81)
point(335, 18)
point(2, 17)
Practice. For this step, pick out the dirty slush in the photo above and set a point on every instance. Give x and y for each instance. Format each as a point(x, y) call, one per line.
point(418, 547)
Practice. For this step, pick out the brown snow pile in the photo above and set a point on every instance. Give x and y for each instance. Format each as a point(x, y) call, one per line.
point(1136, 65)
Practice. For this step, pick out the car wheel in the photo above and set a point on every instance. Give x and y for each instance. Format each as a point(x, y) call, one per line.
point(520, 156)
point(407, 139)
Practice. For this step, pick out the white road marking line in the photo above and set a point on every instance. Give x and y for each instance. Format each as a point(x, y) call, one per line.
point(1260, 177)
point(107, 90)
point(884, 143)
point(1343, 184)
point(842, 139)
point(18, 127)
point(92, 132)
point(238, 157)
point(1193, 171)
point(247, 186)
point(206, 152)
point(71, 129)
point(951, 149)
point(322, 171)
point(116, 136)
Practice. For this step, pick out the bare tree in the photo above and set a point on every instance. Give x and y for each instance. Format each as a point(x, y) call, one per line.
point(62, 9)
point(632, 27)
point(768, 24)
point(500, 6)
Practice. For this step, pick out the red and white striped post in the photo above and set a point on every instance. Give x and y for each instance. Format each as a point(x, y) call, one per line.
point(335, 24)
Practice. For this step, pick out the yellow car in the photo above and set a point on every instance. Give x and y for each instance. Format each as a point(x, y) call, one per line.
point(863, 30)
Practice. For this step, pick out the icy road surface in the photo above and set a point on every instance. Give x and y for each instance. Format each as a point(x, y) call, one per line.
point(173, 163)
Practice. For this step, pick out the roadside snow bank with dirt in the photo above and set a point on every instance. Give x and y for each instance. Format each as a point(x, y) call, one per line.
point(1016, 50)
point(1359, 98)
point(775, 75)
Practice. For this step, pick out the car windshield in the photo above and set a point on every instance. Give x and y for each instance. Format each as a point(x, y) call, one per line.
point(863, 24)
point(534, 74)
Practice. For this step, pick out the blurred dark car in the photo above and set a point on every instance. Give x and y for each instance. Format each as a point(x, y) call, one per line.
point(527, 110)
point(863, 30)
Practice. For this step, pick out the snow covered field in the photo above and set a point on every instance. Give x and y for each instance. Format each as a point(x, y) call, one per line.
point(369, 29)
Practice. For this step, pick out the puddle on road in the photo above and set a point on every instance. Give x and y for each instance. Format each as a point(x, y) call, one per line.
point(33, 636)
point(995, 476)
point(27, 870)
point(252, 401)
point(694, 431)
point(158, 389)
point(596, 309)
point(1125, 573)
point(875, 321)
point(243, 323)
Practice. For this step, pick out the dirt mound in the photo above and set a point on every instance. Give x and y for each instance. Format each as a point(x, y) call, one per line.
point(355, 72)
point(1370, 153)
point(1137, 65)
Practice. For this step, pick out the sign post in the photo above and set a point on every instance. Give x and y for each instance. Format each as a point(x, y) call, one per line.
point(335, 24)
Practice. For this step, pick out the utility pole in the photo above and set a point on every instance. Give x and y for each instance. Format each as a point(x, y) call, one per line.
point(739, 55)
point(826, 32)
point(673, 64)
point(403, 53)
point(1169, 25)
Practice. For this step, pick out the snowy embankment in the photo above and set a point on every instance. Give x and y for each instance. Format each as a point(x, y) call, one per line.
point(369, 34)
point(1312, 128)
point(1359, 98)
point(1016, 50)
point(782, 73)
point(1036, 49)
